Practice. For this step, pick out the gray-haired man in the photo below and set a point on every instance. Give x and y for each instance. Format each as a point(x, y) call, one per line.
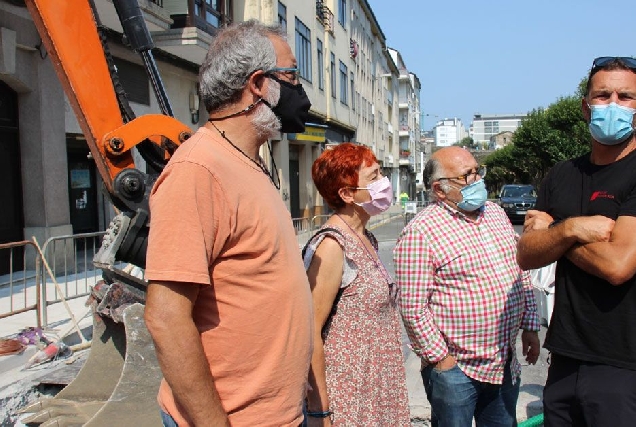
point(229, 305)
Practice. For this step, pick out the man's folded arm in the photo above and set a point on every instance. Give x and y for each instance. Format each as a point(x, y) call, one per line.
point(613, 260)
point(538, 247)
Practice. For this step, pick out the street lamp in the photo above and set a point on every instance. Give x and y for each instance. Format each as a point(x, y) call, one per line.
point(422, 115)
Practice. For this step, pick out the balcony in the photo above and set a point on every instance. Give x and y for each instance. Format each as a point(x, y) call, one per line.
point(195, 23)
point(324, 15)
point(407, 161)
point(157, 18)
point(171, 26)
point(189, 43)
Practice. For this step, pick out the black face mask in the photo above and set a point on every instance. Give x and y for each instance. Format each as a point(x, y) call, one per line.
point(292, 108)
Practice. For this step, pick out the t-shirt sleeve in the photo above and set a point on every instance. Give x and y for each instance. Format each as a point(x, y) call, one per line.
point(185, 238)
point(628, 206)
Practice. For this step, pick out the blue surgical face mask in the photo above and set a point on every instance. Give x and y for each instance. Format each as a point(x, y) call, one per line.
point(611, 124)
point(473, 196)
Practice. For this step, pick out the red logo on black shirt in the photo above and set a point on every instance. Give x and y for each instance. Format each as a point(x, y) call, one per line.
point(601, 195)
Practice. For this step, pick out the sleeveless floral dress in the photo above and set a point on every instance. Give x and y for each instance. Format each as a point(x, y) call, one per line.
point(366, 379)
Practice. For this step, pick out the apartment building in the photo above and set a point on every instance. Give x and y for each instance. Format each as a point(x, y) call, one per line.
point(449, 132)
point(409, 123)
point(484, 127)
point(358, 90)
point(350, 80)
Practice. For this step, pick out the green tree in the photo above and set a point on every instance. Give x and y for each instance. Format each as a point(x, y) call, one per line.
point(466, 142)
point(545, 137)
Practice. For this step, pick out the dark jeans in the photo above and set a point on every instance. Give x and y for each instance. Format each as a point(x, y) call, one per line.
point(579, 393)
point(456, 398)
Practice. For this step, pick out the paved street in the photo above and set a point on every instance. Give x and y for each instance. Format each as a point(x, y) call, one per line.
point(532, 376)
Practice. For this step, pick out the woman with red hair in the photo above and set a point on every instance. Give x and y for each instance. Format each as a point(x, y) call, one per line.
point(357, 375)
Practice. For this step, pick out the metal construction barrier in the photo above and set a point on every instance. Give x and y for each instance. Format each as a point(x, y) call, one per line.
point(70, 259)
point(19, 280)
point(318, 221)
point(307, 224)
point(301, 225)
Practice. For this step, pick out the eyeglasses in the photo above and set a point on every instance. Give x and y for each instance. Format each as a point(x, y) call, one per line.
point(602, 61)
point(292, 73)
point(469, 177)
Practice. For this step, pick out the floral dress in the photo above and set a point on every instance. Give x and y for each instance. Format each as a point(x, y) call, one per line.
point(366, 379)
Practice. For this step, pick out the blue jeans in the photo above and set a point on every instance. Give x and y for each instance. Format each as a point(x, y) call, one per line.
point(456, 398)
point(167, 420)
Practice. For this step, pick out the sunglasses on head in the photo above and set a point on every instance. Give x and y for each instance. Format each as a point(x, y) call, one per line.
point(602, 61)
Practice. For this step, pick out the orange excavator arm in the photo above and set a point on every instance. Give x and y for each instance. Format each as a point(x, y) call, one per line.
point(118, 383)
point(70, 31)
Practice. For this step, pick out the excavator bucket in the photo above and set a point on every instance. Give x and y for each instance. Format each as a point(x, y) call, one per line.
point(117, 385)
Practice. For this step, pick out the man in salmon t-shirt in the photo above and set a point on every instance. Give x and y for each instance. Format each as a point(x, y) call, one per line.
point(229, 305)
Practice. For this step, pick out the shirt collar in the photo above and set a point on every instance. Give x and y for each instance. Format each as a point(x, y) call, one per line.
point(459, 214)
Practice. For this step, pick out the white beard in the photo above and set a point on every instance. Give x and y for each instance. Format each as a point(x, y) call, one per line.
point(265, 122)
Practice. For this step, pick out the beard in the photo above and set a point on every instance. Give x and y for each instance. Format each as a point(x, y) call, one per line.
point(264, 121)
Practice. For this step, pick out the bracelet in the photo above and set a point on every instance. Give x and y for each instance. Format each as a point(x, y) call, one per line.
point(323, 414)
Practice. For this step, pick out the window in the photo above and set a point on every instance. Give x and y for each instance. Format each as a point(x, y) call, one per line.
point(353, 93)
point(134, 80)
point(215, 13)
point(321, 65)
point(332, 72)
point(342, 12)
point(344, 87)
point(303, 50)
point(282, 16)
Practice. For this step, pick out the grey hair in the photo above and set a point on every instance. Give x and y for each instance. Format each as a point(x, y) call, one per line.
point(235, 53)
point(433, 171)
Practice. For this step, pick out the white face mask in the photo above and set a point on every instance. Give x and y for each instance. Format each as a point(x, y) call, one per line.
point(381, 196)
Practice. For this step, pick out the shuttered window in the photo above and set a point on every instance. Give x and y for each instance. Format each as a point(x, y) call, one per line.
point(135, 81)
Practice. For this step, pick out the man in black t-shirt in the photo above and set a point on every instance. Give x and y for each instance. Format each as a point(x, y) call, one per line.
point(585, 219)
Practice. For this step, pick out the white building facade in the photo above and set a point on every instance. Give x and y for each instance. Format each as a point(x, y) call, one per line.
point(484, 127)
point(408, 126)
point(449, 132)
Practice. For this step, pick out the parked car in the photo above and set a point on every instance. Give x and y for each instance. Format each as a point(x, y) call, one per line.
point(516, 199)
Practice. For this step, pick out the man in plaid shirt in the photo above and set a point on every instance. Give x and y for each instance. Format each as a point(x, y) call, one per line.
point(464, 297)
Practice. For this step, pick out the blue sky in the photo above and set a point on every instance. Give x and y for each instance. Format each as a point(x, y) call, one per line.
point(500, 57)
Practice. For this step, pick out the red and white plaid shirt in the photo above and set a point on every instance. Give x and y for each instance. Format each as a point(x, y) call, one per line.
point(462, 291)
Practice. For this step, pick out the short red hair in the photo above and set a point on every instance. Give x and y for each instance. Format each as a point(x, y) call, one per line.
point(338, 168)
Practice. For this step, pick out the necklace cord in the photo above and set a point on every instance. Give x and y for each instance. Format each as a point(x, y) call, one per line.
point(257, 163)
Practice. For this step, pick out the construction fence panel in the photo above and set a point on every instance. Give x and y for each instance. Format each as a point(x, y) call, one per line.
point(67, 268)
point(20, 279)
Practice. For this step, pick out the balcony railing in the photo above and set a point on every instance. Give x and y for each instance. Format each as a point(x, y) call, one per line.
point(324, 15)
